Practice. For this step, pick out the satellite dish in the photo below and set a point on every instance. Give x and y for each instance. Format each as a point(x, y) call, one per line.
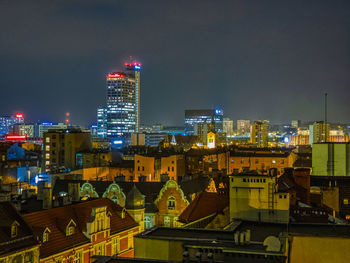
point(272, 243)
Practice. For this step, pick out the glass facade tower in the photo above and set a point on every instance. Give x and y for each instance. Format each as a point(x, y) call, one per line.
point(121, 116)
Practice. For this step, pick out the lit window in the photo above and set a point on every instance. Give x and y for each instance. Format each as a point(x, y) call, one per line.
point(47, 147)
point(47, 139)
point(346, 201)
point(14, 229)
point(171, 203)
point(273, 161)
point(46, 235)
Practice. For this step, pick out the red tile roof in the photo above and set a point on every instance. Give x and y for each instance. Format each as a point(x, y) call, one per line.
point(57, 218)
point(203, 205)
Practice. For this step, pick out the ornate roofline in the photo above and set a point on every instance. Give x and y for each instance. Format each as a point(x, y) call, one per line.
point(109, 189)
point(88, 187)
point(171, 184)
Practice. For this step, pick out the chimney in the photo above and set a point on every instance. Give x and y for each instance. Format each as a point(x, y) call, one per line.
point(41, 186)
point(47, 197)
point(120, 178)
point(74, 191)
point(247, 236)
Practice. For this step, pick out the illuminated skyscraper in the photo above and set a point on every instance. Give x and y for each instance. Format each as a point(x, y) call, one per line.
point(259, 132)
point(121, 116)
point(6, 122)
point(319, 132)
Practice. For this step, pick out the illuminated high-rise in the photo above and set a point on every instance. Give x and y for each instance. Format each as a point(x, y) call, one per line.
point(259, 134)
point(121, 116)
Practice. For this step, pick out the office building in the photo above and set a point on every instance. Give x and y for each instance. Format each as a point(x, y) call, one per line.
point(319, 132)
point(243, 127)
point(6, 122)
point(201, 130)
point(209, 116)
point(121, 116)
point(46, 126)
point(259, 134)
point(228, 127)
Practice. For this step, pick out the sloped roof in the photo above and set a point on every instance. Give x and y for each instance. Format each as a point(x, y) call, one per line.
point(204, 205)
point(56, 218)
point(24, 238)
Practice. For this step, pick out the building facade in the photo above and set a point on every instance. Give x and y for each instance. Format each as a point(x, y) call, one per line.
point(243, 127)
point(209, 116)
point(121, 116)
point(259, 132)
point(319, 132)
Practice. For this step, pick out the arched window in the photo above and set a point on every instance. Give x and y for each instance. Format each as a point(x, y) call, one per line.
point(171, 203)
point(115, 199)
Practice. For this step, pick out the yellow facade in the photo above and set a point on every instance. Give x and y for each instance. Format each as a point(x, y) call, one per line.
point(145, 166)
point(158, 249)
point(173, 165)
point(28, 255)
point(255, 198)
point(314, 249)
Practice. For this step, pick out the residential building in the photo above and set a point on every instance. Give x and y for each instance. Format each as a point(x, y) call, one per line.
point(209, 116)
point(259, 134)
point(295, 123)
point(319, 132)
point(228, 126)
point(75, 233)
point(243, 127)
point(153, 166)
point(17, 241)
point(60, 148)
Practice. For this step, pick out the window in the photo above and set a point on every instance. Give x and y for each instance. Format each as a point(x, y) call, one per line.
point(143, 168)
point(273, 161)
point(256, 161)
point(46, 235)
point(172, 169)
point(244, 180)
point(70, 229)
point(138, 168)
point(14, 229)
point(168, 169)
point(282, 161)
point(167, 221)
point(172, 162)
point(47, 139)
point(346, 201)
point(171, 203)
point(148, 223)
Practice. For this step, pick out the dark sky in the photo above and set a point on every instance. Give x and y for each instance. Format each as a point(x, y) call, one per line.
point(255, 59)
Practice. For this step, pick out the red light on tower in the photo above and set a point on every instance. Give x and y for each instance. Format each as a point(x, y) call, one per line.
point(19, 116)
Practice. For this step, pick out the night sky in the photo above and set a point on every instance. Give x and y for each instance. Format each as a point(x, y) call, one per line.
point(255, 59)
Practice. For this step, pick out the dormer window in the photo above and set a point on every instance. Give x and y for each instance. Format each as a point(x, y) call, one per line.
point(14, 229)
point(70, 229)
point(46, 235)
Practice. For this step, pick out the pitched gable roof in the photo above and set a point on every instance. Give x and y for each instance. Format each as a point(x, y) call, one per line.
point(203, 205)
point(56, 219)
point(24, 237)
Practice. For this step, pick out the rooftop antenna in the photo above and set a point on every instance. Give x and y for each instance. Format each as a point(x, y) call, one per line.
point(325, 108)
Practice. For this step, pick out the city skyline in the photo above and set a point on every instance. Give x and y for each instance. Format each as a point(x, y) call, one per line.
point(248, 59)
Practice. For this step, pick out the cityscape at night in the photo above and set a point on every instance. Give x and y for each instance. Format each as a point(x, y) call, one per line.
point(174, 131)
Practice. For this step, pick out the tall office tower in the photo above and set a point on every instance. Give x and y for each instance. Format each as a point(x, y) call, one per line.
point(259, 132)
point(121, 116)
point(243, 127)
point(319, 132)
point(6, 122)
point(228, 126)
point(212, 116)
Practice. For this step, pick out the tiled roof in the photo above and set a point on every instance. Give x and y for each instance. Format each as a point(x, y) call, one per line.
point(56, 220)
point(24, 238)
point(204, 205)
